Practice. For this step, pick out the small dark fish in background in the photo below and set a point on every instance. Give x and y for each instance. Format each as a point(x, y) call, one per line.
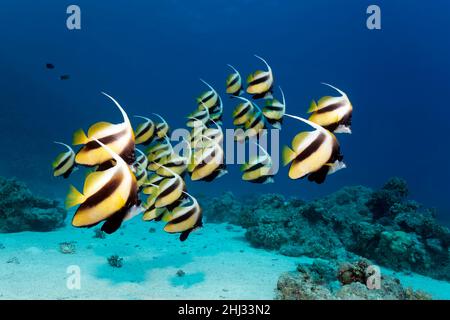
point(64, 77)
point(50, 66)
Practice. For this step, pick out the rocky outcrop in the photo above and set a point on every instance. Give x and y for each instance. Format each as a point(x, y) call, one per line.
point(325, 281)
point(382, 225)
point(21, 210)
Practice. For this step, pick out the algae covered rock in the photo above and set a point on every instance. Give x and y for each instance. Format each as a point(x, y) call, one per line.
point(318, 282)
point(21, 210)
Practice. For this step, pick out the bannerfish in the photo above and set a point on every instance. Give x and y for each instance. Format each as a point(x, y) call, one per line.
point(215, 113)
point(184, 219)
point(169, 189)
point(242, 112)
point(151, 183)
point(333, 113)
point(259, 83)
point(274, 111)
point(159, 156)
point(144, 131)
point(151, 211)
point(314, 154)
point(141, 176)
point(259, 168)
point(200, 116)
point(107, 196)
point(234, 83)
point(209, 98)
point(162, 128)
point(50, 66)
point(200, 133)
point(118, 137)
point(141, 160)
point(64, 163)
point(207, 162)
point(64, 77)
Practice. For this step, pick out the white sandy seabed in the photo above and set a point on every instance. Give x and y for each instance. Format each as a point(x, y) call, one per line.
point(217, 261)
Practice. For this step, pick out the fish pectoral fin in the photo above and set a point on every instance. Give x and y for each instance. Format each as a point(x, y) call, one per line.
point(80, 137)
point(74, 197)
point(288, 155)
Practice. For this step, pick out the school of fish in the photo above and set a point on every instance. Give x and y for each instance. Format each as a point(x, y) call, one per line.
point(133, 172)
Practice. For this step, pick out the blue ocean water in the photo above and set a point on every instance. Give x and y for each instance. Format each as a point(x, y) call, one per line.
point(150, 56)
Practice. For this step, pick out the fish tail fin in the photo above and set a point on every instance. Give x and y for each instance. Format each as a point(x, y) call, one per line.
point(74, 197)
point(80, 137)
point(288, 155)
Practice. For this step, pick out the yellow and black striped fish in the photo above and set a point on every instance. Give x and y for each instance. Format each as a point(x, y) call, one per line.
point(162, 128)
point(215, 113)
point(144, 131)
point(242, 112)
point(234, 83)
point(207, 162)
point(259, 83)
point(160, 153)
point(169, 191)
point(151, 183)
point(184, 219)
point(107, 196)
point(151, 212)
point(274, 111)
point(118, 137)
point(259, 168)
point(333, 113)
point(314, 154)
point(141, 160)
point(198, 117)
point(210, 98)
point(141, 176)
point(64, 163)
point(202, 132)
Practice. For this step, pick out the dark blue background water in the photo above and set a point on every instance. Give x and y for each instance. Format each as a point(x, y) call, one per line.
point(150, 55)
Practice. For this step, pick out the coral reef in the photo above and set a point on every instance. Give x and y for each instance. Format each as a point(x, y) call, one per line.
point(381, 225)
point(115, 261)
point(99, 234)
point(21, 210)
point(319, 282)
point(67, 247)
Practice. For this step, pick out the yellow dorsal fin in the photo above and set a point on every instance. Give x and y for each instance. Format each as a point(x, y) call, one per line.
point(97, 127)
point(288, 155)
point(299, 138)
point(323, 101)
point(79, 137)
point(92, 180)
point(74, 197)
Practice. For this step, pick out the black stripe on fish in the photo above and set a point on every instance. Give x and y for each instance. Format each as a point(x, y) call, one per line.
point(106, 191)
point(144, 130)
point(115, 221)
point(259, 80)
point(170, 189)
point(274, 108)
point(234, 80)
point(184, 217)
point(313, 147)
point(208, 97)
point(92, 145)
point(244, 110)
point(128, 153)
point(63, 162)
point(330, 108)
point(255, 166)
